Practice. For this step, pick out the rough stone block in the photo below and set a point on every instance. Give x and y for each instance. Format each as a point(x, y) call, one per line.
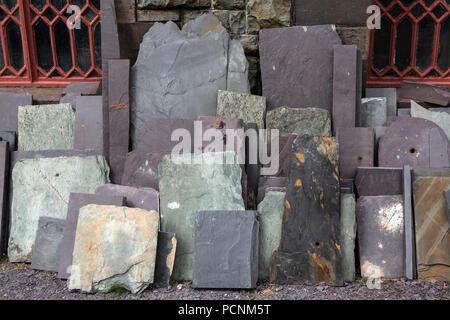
point(144, 198)
point(125, 11)
point(9, 105)
point(379, 181)
point(263, 14)
point(226, 249)
point(359, 36)
point(88, 127)
point(4, 170)
point(165, 258)
point(391, 98)
point(228, 4)
point(372, 112)
point(348, 236)
point(11, 138)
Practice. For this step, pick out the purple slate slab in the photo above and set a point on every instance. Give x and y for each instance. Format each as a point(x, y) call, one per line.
point(267, 183)
point(421, 92)
point(88, 126)
point(222, 124)
point(11, 138)
point(410, 241)
point(76, 202)
point(141, 169)
point(83, 88)
point(9, 106)
point(416, 142)
point(297, 66)
point(143, 198)
point(119, 116)
point(4, 168)
point(70, 98)
point(379, 181)
point(347, 84)
point(285, 148)
point(356, 149)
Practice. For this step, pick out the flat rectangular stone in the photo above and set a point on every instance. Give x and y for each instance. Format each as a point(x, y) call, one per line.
point(88, 125)
point(165, 258)
point(379, 181)
point(391, 98)
point(144, 198)
point(372, 112)
point(381, 236)
point(421, 92)
point(4, 170)
point(221, 125)
point(410, 247)
point(46, 127)
point(11, 138)
point(119, 116)
point(310, 248)
point(83, 88)
point(304, 56)
point(356, 149)
point(431, 223)
point(348, 235)
point(76, 202)
point(347, 86)
point(226, 249)
point(48, 244)
point(9, 104)
point(158, 15)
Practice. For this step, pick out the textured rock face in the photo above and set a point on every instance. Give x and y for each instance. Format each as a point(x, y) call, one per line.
point(348, 235)
point(165, 258)
point(372, 112)
point(41, 187)
point(226, 249)
point(310, 247)
point(297, 66)
point(306, 121)
point(271, 211)
point(142, 4)
point(114, 247)
point(268, 14)
point(187, 188)
point(178, 73)
point(46, 127)
point(247, 107)
point(442, 119)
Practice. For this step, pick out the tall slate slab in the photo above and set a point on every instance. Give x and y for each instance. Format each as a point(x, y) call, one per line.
point(47, 247)
point(379, 181)
point(88, 126)
point(347, 86)
point(9, 106)
point(41, 187)
point(11, 138)
point(410, 247)
point(372, 112)
point(310, 247)
point(303, 79)
point(165, 259)
point(4, 175)
point(76, 202)
point(348, 235)
point(391, 98)
point(226, 249)
point(189, 183)
point(144, 198)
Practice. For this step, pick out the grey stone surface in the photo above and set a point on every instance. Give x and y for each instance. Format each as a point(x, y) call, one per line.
point(178, 73)
point(88, 127)
point(76, 202)
point(141, 170)
point(4, 175)
point(41, 187)
point(297, 66)
point(226, 249)
point(165, 258)
point(186, 188)
point(372, 113)
point(144, 198)
point(447, 201)
point(391, 98)
point(271, 210)
point(48, 244)
point(115, 247)
point(221, 125)
point(45, 127)
point(442, 119)
point(348, 235)
point(249, 108)
point(9, 105)
point(410, 245)
point(379, 132)
point(407, 111)
point(11, 138)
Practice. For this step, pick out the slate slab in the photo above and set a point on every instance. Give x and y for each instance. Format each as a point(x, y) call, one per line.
point(348, 235)
point(356, 149)
point(189, 183)
point(88, 127)
point(270, 183)
point(441, 119)
point(226, 249)
point(447, 200)
point(415, 142)
point(372, 113)
point(303, 79)
point(83, 88)
point(45, 127)
point(48, 244)
point(391, 98)
point(141, 170)
point(381, 236)
point(76, 202)
point(347, 86)
point(41, 187)
point(284, 151)
point(70, 98)
point(221, 128)
point(410, 248)
point(310, 247)
point(9, 106)
point(165, 258)
point(379, 181)
point(424, 92)
point(11, 138)
point(252, 165)
point(144, 198)
point(4, 170)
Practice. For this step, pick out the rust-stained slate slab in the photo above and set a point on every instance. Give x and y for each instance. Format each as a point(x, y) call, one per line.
point(310, 248)
point(431, 223)
point(379, 181)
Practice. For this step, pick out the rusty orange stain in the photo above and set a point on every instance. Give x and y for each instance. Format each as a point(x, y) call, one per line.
point(300, 157)
point(287, 205)
point(335, 176)
point(218, 123)
point(118, 106)
point(298, 183)
point(338, 247)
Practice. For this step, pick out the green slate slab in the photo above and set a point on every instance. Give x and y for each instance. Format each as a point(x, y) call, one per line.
point(348, 235)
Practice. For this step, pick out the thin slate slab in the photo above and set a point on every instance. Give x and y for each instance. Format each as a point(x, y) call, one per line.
point(4, 175)
point(11, 138)
point(165, 259)
point(391, 98)
point(447, 200)
point(442, 119)
point(310, 247)
point(431, 223)
point(410, 245)
point(144, 198)
point(381, 236)
point(215, 129)
point(356, 149)
point(48, 244)
point(76, 202)
point(226, 249)
point(9, 106)
point(83, 88)
point(424, 93)
point(41, 187)
point(347, 86)
point(303, 79)
point(379, 181)
point(88, 127)
point(45, 127)
point(348, 235)
point(415, 142)
point(372, 112)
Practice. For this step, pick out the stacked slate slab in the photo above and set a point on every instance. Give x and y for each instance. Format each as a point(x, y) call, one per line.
point(422, 92)
point(441, 119)
point(88, 126)
point(348, 235)
point(379, 181)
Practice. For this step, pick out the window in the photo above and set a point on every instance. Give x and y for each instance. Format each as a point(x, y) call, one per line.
point(412, 44)
point(37, 47)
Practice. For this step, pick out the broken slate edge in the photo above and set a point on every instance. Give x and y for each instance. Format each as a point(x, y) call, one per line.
point(165, 259)
point(144, 198)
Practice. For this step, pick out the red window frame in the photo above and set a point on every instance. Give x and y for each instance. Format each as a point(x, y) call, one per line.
point(391, 76)
point(25, 15)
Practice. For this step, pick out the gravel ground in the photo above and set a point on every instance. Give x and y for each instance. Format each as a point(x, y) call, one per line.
point(19, 281)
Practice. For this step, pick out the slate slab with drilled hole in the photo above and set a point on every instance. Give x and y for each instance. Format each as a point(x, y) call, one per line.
point(381, 236)
point(144, 198)
point(9, 106)
point(11, 138)
point(310, 247)
point(48, 244)
point(303, 79)
point(226, 249)
point(88, 127)
point(356, 149)
point(391, 98)
point(379, 181)
point(372, 113)
point(4, 174)
point(76, 202)
point(165, 258)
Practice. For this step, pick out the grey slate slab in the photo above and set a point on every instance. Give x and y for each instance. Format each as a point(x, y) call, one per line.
point(348, 235)
point(165, 258)
point(83, 88)
point(447, 200)
point(76, 202)
point(4, 175)
point(267, 183)
point(9, 106)
point(410, 242)
point(141, 169)
point(284, 151)
point(379, 181)
point(391, 98)
point(88, 126)
point(70, 98)
point(48, 245)
point(226, 249)
point(11, 138)
point(221, 125)
point(303, 79)
point(372, 112)
point(144, 198)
